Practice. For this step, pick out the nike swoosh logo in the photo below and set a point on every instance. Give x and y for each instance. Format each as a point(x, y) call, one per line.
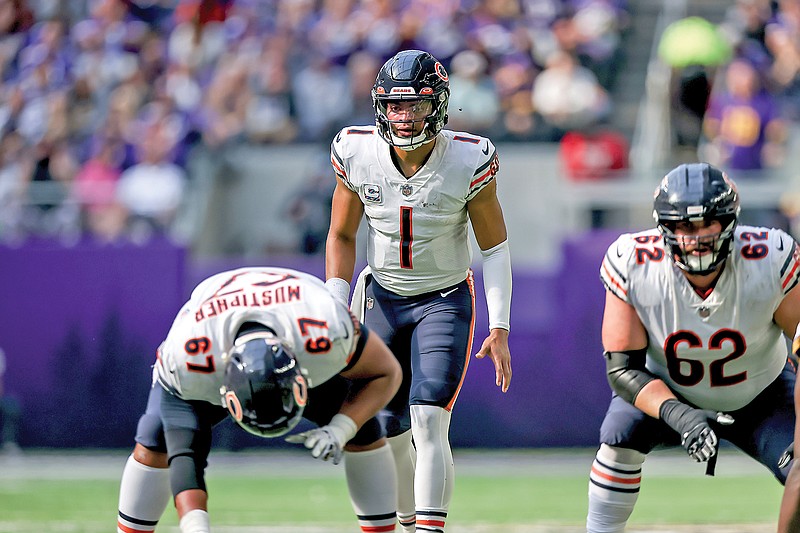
point(619, 254)
point(445, 294)
point(346, 333)
point(486, 150)
point(780, 245)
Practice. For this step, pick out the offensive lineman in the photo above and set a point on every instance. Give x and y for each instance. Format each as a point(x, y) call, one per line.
point(789, 516)
point(260, 344)
point(693, 331)
point(418, 184)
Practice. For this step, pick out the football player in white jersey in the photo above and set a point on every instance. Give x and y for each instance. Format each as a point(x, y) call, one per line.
point(418, 185)
point(267, 346)
point(695, 331)
point(789, 517)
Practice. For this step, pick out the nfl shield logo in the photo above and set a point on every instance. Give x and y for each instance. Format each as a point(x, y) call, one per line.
point(370, 303)
point(406, 190)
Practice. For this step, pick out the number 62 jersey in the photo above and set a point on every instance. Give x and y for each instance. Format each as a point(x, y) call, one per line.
point(722, 351)
point(319, 330)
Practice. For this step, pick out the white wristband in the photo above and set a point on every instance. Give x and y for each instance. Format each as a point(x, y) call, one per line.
point(339, 288)
point(346, 427)
point(497, 285)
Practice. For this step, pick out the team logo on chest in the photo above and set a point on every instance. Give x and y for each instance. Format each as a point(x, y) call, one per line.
point(406, 189)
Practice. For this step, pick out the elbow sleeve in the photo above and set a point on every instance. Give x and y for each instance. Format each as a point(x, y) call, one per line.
point(626, 373)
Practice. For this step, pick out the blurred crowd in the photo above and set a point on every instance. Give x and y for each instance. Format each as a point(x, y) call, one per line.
point(101, 101)
point(736, 102)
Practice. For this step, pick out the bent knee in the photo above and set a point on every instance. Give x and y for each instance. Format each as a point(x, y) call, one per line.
point(620, 455)
point(150, 457)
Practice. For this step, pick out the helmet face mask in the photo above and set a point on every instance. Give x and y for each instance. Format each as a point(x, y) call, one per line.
point(699, 253)
point(264, 388)
point(408, 125)
point(411, 76)
point(692, 193)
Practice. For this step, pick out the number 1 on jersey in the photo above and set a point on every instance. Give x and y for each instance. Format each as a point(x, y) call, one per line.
point(406, 236)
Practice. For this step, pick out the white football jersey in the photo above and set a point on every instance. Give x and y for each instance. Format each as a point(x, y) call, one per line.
point(418, 237)
point(318, 329)
point(722, 351)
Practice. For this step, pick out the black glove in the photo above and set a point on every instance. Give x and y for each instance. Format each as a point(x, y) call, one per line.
point(691, 424)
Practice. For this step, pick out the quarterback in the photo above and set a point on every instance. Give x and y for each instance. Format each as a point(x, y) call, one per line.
point(418, 185)
point(266, 346)
point(695, 330)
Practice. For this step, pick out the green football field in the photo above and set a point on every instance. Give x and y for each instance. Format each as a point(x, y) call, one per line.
point(509, 491)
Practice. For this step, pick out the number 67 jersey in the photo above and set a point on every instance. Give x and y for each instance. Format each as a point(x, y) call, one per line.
point(319, 330)
point(717, 352)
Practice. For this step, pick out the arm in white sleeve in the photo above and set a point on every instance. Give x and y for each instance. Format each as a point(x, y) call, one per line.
point(497, 285)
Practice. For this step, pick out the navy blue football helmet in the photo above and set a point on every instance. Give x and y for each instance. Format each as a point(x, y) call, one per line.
point(690, 193)
point(264, 388)
point(417, 76)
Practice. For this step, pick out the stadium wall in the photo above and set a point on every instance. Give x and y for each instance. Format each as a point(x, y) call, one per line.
point(80, 327)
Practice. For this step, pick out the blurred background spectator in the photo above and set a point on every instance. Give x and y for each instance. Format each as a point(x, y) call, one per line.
point(743, 126)
point(568, 95)
point(152, 189)
point(95, 189)
point(744, 131)
point(474, 101)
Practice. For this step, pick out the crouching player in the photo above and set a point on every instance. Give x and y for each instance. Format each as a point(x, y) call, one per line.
point(267, 346)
